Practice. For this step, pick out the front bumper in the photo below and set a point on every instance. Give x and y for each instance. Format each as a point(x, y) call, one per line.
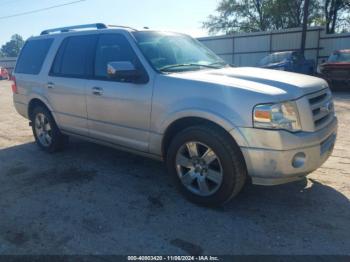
point(270, 154)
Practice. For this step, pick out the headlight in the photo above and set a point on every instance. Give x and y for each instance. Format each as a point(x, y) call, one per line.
point(277, 116)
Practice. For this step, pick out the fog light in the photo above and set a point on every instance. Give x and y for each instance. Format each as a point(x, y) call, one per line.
point(299, 160)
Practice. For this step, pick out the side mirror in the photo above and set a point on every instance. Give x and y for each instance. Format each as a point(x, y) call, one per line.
point(124, 71)
point(323, 61)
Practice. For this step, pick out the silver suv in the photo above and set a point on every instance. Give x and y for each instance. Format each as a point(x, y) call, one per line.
point(166, 96)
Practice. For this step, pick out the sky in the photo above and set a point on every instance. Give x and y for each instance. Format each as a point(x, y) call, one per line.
point(184, 16)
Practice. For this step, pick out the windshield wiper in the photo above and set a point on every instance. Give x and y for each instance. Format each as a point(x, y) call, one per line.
point(165, 68)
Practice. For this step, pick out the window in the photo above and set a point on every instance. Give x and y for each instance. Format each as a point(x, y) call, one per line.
point(176, 52)
point(75, 57)
point(340, 57)
point(275, 58)
point(297, 57)
point(112, 48)
point(33, 56)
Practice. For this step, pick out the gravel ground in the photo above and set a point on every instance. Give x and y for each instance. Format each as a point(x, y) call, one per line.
point(91, 199)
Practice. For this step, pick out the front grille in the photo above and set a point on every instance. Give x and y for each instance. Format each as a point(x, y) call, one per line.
point(322, 108)
point(317, 99)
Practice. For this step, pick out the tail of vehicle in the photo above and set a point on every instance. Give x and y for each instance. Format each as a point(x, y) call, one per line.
point(14, 84)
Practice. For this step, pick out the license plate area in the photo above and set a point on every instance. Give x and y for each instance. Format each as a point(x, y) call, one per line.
point(328, 144)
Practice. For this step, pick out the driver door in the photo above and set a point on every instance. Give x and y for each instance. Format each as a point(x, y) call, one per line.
point(118, 111)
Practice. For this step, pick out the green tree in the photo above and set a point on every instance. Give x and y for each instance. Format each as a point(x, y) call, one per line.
point(289, 14)
point(261, 15)
point(239, 16)
point(336, 15)
point(12, 47)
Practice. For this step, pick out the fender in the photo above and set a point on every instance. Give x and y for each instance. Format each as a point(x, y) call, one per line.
point(156, 139)
point(40, 96)
point(196, 112)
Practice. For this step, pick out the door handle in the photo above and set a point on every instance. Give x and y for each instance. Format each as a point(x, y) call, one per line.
point(50, 85)
point(97, 91)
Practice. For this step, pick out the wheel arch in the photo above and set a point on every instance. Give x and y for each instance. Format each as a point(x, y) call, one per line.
point(36, 102)
point(182, 123)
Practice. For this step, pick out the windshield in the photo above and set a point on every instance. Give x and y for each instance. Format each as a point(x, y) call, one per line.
point(339, 57)
point(275, 58)
point(171, 52)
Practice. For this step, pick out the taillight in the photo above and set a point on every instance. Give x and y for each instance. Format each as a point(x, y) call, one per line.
point(14, 85)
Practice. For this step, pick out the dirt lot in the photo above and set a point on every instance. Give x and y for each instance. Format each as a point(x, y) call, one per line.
point(91, 199)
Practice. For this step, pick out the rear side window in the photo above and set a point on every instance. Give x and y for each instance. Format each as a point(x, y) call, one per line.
point(75, 57)
point(33, 56)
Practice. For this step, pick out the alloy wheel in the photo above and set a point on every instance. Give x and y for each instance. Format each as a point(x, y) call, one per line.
point(199, 168)
point(43, 129)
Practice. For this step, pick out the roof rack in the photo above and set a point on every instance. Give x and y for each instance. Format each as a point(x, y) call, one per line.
point(71, 28)
point(122, 26)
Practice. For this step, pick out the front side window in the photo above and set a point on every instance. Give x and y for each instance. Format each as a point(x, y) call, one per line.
point(297, 56)
point(169, 52)
point(112, 48)
point(74, 58)
point(33, 56)
point(275, 58)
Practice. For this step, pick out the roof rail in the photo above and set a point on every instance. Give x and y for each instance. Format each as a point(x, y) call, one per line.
point(122, 26)
point(70, 28)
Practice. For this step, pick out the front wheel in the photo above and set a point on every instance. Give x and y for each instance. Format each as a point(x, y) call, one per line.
point(47, 135)
point(208, 168)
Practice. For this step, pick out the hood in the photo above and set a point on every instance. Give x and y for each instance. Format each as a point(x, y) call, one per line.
point(281, 84)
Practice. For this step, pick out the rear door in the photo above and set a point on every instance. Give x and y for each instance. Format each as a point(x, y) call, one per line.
point(67, 82)
point(120, 112)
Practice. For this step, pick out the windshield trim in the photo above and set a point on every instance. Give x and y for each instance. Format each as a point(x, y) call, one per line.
point(164, 68)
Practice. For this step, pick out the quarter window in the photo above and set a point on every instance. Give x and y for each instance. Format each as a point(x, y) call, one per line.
point(33, 56)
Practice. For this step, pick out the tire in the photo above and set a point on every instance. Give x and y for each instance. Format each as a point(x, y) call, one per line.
point(47, 135)
point(189, 175)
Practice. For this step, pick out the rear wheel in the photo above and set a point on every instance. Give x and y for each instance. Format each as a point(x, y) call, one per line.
point(46, 133)
point(207, 168)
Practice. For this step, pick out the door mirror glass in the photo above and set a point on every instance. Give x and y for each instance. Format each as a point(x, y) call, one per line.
point(123, 71)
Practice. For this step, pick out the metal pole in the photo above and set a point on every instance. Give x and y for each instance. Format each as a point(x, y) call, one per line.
point(303, 34)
